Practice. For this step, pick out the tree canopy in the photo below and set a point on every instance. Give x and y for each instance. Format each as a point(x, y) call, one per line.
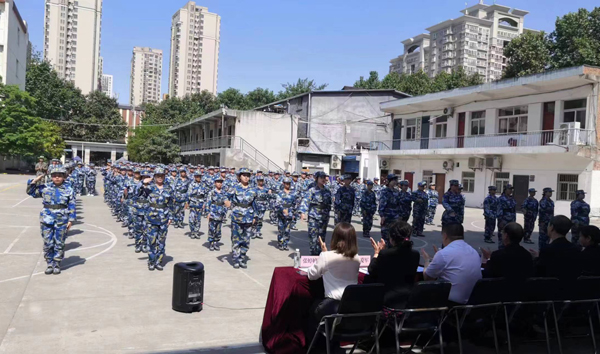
point(153, 144)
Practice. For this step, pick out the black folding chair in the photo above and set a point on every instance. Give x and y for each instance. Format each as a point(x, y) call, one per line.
point(485, 301)
point(425, 312)
point(540, 293)
point(357, 318)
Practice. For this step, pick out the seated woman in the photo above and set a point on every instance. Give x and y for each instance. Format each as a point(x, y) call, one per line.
point(338, 267)
point(395, 267)
point(590, 240)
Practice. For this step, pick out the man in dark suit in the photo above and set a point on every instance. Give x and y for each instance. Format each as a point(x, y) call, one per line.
point(513, 262)
point(560, 259)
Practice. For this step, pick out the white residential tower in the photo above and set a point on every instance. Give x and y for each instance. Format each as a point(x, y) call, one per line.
point(146, 76)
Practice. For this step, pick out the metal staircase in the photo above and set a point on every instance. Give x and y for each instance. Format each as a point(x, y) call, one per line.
point(251, 152)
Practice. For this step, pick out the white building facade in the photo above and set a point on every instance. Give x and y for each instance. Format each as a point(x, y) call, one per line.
point(146, 76)
point(533, 132)
point(194, 57)
point(474, 41)
point(107, 85)
point(72, 41)
point(14, 39)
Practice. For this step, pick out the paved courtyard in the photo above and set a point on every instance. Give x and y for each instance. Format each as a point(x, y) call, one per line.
point(106, 300)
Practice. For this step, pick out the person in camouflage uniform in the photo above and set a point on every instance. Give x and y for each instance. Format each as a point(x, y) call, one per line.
point(57, 216)
point(263, 198)
point(530, 208)
point(216, 204)
point(389, 207)
point(140, 209)
point(490, 211)
point(434, 200)
point(316, 207)
point(368, 201)
point(454, 205)
point(243, 212)
point(343, 206)
point(180, 198)
point(507, 211)
point(421, 199)
point(406, 200)
point(357, 187)
point(159, 217)
point(285, 203)
point(80, 178)
point(129, 195)
point(196, 195)
point(580, 216)
point(90, 179)
point(545, 215)
point(275, 187)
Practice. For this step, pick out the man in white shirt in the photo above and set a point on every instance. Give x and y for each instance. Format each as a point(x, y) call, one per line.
point(457, 263)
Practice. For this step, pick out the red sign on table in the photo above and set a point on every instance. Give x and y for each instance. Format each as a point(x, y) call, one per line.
point(308, 261)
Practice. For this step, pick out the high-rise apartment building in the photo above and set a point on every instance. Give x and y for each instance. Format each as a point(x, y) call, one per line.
point(146, 76)
point(474, 41)
point(72, 40)
point(107, 85)
point(194, 57)
point(14, 42)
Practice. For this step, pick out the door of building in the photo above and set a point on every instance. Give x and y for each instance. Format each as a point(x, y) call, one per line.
point(548, 123)
point(425, 133)
point(409, 177)
point(440, 185)
point(460, 142)
point(397, 134)
point(521, 188)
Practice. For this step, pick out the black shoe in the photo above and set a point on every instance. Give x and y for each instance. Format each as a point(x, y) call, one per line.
point(217, 248)
point(236, 265)
point(212, 246)
point(138, 249)
point(293, 228)
point(145, 249)
point(243, 265)
point(131, 236)
point(286, 248)
point(258, 236)
point(56, 270)
point(159, 267)
point(150, 266)
point(49, 270)
point(488, 240)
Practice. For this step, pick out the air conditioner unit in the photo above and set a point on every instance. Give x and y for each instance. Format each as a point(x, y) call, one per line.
point(476, 163)
point(448, 111)
point(568, 134)
point(303, 142)
point(448, 165)
point(336, 162)
point(493, 162)
point(384, 164)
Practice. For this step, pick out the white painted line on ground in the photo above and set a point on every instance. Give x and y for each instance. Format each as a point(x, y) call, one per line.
point(19, 253)
point(254, 280)
point(15, 240)
point(473, 224)
point(21, 202)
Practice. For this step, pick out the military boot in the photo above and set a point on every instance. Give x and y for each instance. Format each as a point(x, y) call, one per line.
point(49, 270)
point(56, 270)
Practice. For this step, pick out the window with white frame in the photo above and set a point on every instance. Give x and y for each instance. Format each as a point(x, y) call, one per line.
point(411, 129)
point(468, 181)
point(478, 123)
point(567, 186)
point(575, 112)
point(512, 120)
point(501, 180)
point(428, 177)
point(441, 127)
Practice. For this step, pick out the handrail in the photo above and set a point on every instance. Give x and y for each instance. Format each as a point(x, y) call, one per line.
point(256, 155)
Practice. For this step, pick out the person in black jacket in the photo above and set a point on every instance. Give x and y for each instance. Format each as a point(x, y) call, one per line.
point(590, 256)
point(560, 259)
point(513, 262)
point(395, 267)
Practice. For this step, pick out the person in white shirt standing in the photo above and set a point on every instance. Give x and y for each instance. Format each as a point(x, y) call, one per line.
point(338, 267)
point(457, 263)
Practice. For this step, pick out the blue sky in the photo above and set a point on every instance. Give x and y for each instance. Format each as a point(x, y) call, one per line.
point(268, 42)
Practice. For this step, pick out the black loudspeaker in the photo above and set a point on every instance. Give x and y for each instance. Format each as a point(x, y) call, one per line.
point(188, 287)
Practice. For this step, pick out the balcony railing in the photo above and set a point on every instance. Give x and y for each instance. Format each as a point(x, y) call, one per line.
point(561, 137)
point(208, 144)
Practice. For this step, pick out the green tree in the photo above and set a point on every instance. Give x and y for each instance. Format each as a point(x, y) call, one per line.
point(259, 97)
point(456, 79)
point(300, 87)
point(371, 83)
point(232, 98)
point(153, 144)
point(22, 133)
point(527, 54)
point(576, 39)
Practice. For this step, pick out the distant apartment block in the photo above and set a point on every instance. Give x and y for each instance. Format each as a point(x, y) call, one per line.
point(107, 85)
point(14, 41)
point(146, 76)
point(132, 116)
point(194, 57)
point(72, 40)
point(474, 41)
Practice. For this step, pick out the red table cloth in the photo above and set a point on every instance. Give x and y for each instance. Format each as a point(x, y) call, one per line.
point(287, 311)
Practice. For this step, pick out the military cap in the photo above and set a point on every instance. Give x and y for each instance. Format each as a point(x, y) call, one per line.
point(197, 173)
point(369, 183)
point(392, 177)
point(259, 171)
point(375, 179)
point(80, 163)
point(454, 182)
point(345, 177)
point(277, 173)
point(224, 170)
point(136, 170)
point(41, 157)
point(219, 178)
point(129, 168)
point(548, 189)
point(92, 164)
point(320, 174)
point(287, 180)
point(431, 184)
point(508, 186)
point(211, 167)
point(295, 174)
point(145, 173)
point(404, 183)
point(492, 188)
point(182, 169)
point(421, 184)
point(260, 178)
point(286, 172)
point(61, 170)
point(532, 190)
point(159, 171)
point(270, 172)
point(580, 191)
point(243, 170)
point(303, 173)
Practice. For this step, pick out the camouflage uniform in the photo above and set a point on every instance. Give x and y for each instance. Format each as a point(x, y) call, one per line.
point(140, 209)
point(344, 204)
point(180, 197)
point(507, 213)
point(129, 200)
point(215, 204)
point(530, 208)
point(406, 199)
point(80, 178)
point(242, 216)
point(285, 202)
point(580, 216)
point(432, 205)
point(59, 210)
point(490, 211)
point(357, 187)
point(389, 208)
point(196, 195)
point(91, 180)
point(421, 199)
point(545, 215)
point(263, 198)
point(453, 203)
point(275, 187)
point(368, 206)
point(317, 205)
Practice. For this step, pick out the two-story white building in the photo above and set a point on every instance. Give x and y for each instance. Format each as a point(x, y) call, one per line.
point(533, 132)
